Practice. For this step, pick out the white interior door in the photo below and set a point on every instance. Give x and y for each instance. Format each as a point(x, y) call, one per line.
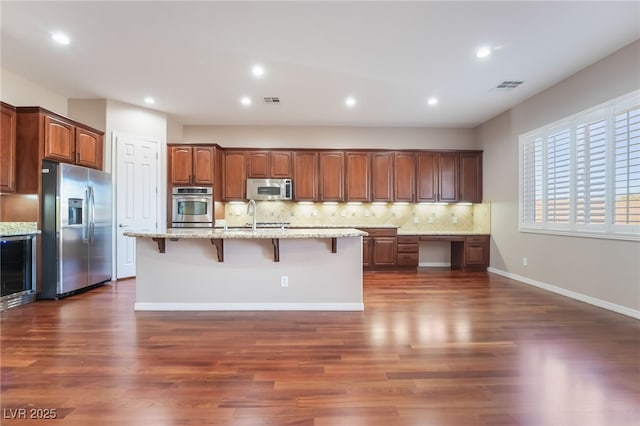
point(136, 196)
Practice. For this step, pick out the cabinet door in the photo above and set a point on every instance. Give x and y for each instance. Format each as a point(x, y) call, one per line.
point(476, 252)
point(366, 251)
point(305, 172)
point(281, 164)
point(471, 177)
point(331, 167)
point(358, 165)
point(235, 175)
point(427, 177)
point(59, 140)
point(404, 177)
point(449, 172)
point(258, 164)
point(382, 176)
point(180, 165)
point(8, 150)
point(384, 251)
point(88, 148)
point(203, 169)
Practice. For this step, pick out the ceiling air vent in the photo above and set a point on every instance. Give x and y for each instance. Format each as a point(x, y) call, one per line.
point(508, 85)
point(272, 100)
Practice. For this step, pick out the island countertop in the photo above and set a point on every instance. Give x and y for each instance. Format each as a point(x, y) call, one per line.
point(242, 233)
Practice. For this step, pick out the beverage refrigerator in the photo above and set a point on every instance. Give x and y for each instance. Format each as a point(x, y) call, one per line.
point(77, 233)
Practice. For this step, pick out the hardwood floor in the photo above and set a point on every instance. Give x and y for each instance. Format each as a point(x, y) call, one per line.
point(431, 348)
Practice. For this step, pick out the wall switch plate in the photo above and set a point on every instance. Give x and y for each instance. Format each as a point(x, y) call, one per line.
point(366, 213)
point(454, 219)
point(430, 219)
point(416, 219)
point(343, 213)
point(284, 281)
point(525, 261)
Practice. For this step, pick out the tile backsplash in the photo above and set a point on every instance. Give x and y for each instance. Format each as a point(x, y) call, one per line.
point(408, 217)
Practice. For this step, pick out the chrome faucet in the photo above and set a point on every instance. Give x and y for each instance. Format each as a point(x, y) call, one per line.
point(252, 203)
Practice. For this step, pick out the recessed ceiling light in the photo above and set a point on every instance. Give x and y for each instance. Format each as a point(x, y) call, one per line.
point(432, 101)
point(350, 102)
point(257, 70)
point(60, 38)
point(149, 100)
point(483, 52)
point(246, 101)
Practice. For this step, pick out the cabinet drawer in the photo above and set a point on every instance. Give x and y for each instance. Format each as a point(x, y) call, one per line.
point(407, 259)
point(477, 239)
point(407, 239)
point(407, 248)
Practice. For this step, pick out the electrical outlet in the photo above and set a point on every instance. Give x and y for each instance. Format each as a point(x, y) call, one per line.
point(454, 219)
point(430, 219)
point(366, 213)
point(284, 281)
point(416, 219)
point(343, 213)
point(525, 261)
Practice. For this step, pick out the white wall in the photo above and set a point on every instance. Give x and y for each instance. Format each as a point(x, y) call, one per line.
point(606, 272)
point(18, 91)
point(330, 137)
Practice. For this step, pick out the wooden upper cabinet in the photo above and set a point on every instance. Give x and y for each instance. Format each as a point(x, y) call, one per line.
point(258, 164)
point(358, 174)
point(382, 176)
point(427, 177)
point(191, 165)
point(471, 177)
point(88, 148)
point(281, 164)
point(305, 172)
point(404, 177)
point(8, 148)
point(59, 140)
point(203, 165)
point(331, 172)
point(234, 169)
point(437, 176)
point(180, 165)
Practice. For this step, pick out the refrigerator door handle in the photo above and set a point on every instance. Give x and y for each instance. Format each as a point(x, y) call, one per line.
point(85, 216)
point(92, 217)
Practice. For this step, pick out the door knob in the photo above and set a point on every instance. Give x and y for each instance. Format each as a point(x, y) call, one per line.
point(122, 226)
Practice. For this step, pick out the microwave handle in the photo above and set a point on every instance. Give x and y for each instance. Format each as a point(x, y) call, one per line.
point(287, 190)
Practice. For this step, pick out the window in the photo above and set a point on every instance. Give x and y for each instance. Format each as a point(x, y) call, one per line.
point(581, 175)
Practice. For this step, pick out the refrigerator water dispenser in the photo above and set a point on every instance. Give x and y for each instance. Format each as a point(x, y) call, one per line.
point(75, 211)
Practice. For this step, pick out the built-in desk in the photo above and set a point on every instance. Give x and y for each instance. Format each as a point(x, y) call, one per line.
point(468, 251)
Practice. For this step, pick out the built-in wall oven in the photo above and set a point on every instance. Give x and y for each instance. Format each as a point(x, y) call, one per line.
point(17, 270)
point(193, 207)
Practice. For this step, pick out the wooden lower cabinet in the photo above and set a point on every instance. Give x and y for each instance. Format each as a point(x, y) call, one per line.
point(379, 249)
point(408, 248)
point(476, 252)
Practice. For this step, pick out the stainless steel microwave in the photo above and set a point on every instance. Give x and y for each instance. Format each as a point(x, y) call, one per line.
point(269, 189)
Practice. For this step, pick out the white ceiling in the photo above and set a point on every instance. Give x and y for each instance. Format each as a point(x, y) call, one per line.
point(195, 57)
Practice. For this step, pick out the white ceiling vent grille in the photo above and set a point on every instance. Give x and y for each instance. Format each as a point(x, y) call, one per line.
point(272, 100)
point(508, 85)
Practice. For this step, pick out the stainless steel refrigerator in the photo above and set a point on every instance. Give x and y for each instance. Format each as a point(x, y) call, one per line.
point(76, 229)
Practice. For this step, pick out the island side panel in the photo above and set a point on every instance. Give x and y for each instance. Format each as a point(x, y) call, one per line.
point(189, 277)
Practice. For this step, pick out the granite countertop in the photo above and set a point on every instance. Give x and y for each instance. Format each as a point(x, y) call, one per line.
point(10, 229)
point(243, 233)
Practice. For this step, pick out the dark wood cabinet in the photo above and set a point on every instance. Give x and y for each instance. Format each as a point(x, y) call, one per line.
point(404, 177)
point(44, 134)
point(471, 177)
point(7, 148)
point(358, 172)
point(379, 248)
point(234, 170)
point(269, 164)
point(281, 164)
point(476, 252)
point(305, 172)
point(382, 176)
point(191, 165)
point(437, 177)
point(408, 251)
point(331, 175)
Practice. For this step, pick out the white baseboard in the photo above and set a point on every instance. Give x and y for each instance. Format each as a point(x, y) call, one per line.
point(435, 264)
point(633, 313)
point(249, 307)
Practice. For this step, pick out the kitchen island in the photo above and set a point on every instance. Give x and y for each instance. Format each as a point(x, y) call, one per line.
point(245, 269)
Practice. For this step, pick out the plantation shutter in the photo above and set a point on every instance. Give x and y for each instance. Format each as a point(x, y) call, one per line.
point(627, 167)
point(591, 173)
point(532, 157)
point(558, 174)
